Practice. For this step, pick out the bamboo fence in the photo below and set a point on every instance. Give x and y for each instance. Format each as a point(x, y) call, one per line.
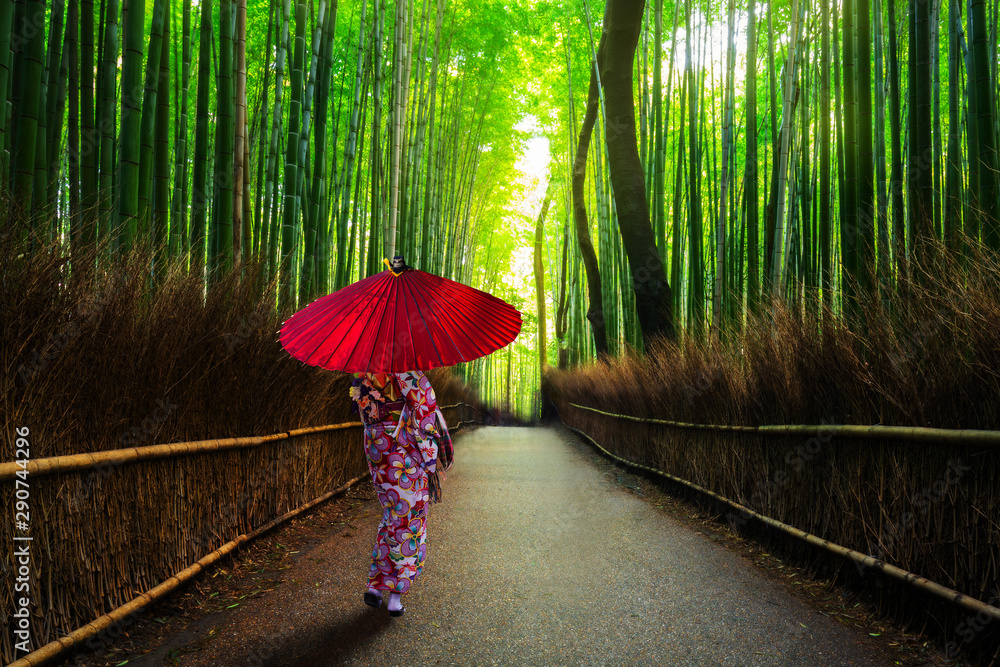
point(904, 500)
point(110, 527)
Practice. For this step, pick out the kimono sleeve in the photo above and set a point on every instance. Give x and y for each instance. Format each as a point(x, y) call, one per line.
point(420, 413)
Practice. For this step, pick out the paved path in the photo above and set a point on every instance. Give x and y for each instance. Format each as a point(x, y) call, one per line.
point(536, 558)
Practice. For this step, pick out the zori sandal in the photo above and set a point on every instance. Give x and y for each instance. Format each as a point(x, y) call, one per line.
point(394, 601)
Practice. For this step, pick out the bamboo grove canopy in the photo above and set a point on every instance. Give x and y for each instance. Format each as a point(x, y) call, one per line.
point(803, 151)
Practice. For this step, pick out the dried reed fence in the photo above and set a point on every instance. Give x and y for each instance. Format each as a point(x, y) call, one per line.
point(112, 525)
point(926, 505)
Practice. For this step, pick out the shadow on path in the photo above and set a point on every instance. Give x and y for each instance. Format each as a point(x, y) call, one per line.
point(343, 638)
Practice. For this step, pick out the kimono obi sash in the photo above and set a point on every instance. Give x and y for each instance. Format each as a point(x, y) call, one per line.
point(376, 398)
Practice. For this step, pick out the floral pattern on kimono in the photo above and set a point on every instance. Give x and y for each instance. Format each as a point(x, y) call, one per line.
point(398, 410)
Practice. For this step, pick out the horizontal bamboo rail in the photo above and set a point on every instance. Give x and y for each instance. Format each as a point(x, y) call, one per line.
point(942, 436)
point(915, 580)
point(114, 457)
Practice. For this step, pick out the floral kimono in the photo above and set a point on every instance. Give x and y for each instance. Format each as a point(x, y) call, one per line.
point(400, 414)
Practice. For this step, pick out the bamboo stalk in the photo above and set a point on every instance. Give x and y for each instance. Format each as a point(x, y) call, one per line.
point(290, 220)
point(6, 21)
point(220, 256)
point(781, 235)
point(271, 202)
point(343, 268)
point(199, 192)
point(399, 102)
point(240, 164)
point(28, 112)
point(179, 237)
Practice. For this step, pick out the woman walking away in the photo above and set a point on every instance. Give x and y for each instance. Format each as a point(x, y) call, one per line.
point(378, 328)
point(405, 434)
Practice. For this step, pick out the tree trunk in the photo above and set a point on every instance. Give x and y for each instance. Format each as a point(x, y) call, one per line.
point(562, 305)
point(595, 313)
point(622, 23)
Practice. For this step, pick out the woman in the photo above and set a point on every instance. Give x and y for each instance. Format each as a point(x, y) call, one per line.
point(402, 426)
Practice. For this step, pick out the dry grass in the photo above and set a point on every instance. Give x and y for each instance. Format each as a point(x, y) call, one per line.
point(114, 359)
point(926, 357)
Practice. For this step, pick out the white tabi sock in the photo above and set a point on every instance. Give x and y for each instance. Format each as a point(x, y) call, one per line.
point(395, 603)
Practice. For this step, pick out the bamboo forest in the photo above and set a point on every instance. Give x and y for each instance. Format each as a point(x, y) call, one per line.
point(800, 152)
point(750, 247)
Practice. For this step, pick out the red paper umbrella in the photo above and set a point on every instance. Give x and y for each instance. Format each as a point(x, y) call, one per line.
point(398, 321)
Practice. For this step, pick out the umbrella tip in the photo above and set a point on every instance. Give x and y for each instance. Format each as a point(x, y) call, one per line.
point(397, 265)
